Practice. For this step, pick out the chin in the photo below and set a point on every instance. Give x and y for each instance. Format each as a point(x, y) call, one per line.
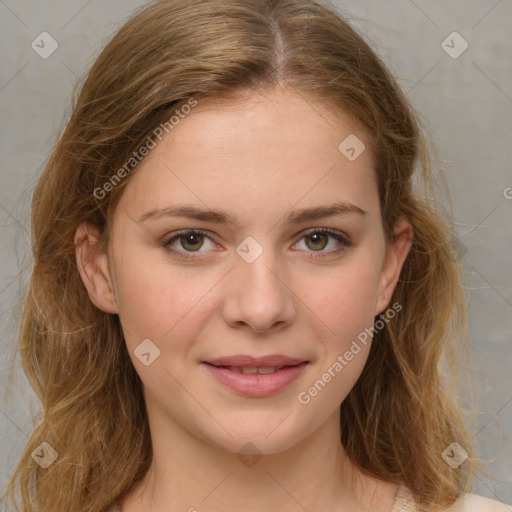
point(265, 437)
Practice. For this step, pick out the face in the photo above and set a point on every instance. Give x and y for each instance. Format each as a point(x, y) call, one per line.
point(234, 308)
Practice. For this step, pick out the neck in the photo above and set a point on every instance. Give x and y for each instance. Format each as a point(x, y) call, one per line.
point(188, 473)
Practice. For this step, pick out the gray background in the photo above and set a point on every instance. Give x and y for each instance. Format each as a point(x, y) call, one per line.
point(466, 101)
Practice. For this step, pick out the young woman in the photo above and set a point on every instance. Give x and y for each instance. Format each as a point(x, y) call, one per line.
point(243, 292)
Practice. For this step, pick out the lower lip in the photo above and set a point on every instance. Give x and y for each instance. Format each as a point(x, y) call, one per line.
point(257, 385)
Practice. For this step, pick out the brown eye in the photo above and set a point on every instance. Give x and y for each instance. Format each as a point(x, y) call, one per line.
point(185, 243)
point(318, 240)
point(191, 241)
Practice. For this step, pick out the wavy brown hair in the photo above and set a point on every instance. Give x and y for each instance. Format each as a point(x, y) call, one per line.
point(402, 412)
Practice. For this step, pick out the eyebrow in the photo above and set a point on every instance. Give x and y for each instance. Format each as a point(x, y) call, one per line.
point(223, 217)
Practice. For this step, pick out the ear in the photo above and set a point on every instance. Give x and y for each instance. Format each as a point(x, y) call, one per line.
point(396, 252)
point(94, 269)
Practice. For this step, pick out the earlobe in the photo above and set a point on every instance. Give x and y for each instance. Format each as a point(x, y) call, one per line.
point(93, 268)
point(396, 253)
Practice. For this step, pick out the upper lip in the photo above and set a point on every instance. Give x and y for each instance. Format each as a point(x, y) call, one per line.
point(277, 361)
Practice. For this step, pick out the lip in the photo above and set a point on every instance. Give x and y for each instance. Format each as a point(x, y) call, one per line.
point(244, 360)
point(256, 385)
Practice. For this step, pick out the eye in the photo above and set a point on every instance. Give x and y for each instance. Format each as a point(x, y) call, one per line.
point(190, 240)
point(317, 239)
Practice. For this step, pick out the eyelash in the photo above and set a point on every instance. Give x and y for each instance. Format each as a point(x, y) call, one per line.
point(345, 243)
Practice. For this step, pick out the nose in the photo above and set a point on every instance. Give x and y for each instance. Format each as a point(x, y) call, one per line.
point(257, 296)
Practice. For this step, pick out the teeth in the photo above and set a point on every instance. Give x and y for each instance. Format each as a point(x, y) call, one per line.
point(253, 370)
point(265, 370)
point(249, 370)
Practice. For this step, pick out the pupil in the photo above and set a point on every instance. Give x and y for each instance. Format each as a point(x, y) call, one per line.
point(191, 239)
point(316, 239)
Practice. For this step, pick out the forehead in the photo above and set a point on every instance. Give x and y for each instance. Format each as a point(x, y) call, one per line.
point(256, 154)
point(279, 120)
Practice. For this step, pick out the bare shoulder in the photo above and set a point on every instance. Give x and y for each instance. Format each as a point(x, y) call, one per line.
point(477, 503)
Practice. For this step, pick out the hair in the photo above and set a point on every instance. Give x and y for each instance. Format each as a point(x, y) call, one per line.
point(400, 415)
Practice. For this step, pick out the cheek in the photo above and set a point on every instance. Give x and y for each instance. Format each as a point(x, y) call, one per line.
point(155, 299)
point(345, 298)
point(345, 303)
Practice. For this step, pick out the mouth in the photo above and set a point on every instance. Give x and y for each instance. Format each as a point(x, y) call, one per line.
point(245, 361)
point(256, 377)
point(253, 370)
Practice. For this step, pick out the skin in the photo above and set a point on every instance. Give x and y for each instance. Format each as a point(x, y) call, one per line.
point(260, 159)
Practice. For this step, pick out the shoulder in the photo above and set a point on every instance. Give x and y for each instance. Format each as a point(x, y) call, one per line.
point(405, 501)
point(476, 503)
